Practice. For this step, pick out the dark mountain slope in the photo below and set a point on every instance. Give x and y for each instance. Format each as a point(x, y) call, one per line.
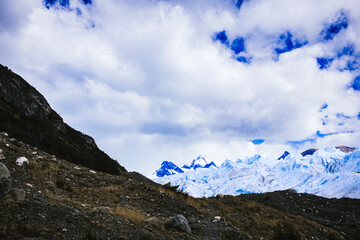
point(63, 201)
point(342, 215)
point(26, 115)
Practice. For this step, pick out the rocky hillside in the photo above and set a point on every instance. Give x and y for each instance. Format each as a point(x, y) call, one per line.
point(26, 115)
point(46, 197)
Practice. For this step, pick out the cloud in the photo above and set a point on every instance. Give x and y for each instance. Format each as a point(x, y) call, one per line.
point(168, 80)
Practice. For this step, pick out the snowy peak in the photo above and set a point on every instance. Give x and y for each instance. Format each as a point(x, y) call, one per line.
point(167, 168)
point(285, 154)
point(200, 162)
point(309, 152)
point(249, 160)
point(329, 172)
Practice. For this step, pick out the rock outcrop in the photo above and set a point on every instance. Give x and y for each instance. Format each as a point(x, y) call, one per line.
point(27, 116)
point(180, 223)
point(5, 180)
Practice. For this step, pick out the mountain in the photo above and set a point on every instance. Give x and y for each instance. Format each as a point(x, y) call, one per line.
point(26, 115)
point(51, 198)
point(169, 168)
point(49, 189)
point(199, 162)
point(329, 172)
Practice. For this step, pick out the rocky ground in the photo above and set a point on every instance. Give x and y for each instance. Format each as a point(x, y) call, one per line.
point(342, 215)
point(51, 198)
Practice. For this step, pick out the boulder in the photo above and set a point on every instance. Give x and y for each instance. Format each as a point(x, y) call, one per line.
point(181, 224)
point(5, 180)
point(22, 161)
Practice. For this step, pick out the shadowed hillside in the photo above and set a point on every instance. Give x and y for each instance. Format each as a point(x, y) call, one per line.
point(26, 115)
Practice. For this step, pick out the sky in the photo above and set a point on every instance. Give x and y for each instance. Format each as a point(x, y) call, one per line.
point(156, 80)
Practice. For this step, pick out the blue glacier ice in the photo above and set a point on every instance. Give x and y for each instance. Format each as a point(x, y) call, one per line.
point(168, 168)
point(329, 172)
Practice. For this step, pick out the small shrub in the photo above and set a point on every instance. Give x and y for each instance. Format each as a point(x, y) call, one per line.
point(61, 184)
point(286, 232)
point(168, 186)
point(132, 215)
point(90, 236)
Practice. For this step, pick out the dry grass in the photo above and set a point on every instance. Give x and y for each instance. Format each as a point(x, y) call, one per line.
point(247, 215)
point(112, 188)
point(133, 215)
point(196, 203)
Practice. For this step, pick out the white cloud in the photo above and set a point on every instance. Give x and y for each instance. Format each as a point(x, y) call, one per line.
point(149, 83)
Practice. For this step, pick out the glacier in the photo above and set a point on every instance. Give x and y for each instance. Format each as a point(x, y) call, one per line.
point(330, 172)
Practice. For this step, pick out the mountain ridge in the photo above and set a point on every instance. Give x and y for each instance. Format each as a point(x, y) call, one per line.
point(26, 115)
point(329, 172)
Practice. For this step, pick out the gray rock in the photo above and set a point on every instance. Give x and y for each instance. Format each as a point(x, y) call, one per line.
point(18, 194)
point(22, 161)
point(180, 223)
point(2, 157)
point(192, 220)
point(5, 180)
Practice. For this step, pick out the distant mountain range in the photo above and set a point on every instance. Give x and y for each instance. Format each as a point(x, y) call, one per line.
point(329, 172)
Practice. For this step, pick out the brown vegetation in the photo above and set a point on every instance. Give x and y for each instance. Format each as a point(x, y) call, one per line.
point(133, 215)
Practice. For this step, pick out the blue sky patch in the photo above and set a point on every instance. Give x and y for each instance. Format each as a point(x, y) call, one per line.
point(86, 2)
point(325, 106)
point(341, 115)
point(352, 60)
point(243, 59)
point(289, 43)
point(324, 63)
point(333, 29)
point(356, 83)
point(352, 65)
point(258, 141)
point(50, 3)
point(222, 38)
point(322, 135)
point(239, 3)
point(78, 11)
point(348, 50)
point(238, 45)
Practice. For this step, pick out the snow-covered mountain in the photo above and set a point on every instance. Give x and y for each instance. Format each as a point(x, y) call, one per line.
point(167, 168)
point(200, 162)
point(329, 172)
